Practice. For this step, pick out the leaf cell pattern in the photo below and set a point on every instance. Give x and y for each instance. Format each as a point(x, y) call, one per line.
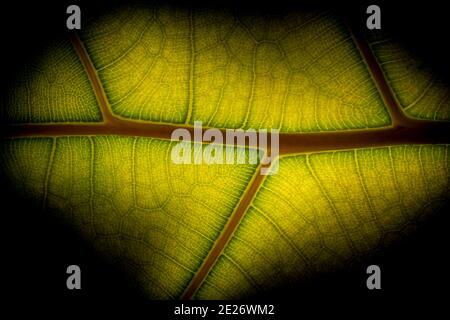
point(174, 227)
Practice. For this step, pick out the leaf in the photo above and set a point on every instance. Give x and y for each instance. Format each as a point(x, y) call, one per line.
point(51, 82)
point(88, 130)
point(322, 210)
point(128, 198)
point(421, 93)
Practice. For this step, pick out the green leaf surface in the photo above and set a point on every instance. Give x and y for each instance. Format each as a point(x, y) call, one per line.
point(223, 230)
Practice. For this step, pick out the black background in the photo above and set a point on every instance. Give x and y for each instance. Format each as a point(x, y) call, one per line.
point(38, 248)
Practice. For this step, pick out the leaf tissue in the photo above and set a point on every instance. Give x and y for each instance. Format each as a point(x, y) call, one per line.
point(364, 145)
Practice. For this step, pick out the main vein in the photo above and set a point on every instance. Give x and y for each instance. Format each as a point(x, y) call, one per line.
point(403, 130)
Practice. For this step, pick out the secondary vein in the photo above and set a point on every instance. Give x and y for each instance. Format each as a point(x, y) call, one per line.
point(92, 74)
point(225, 236)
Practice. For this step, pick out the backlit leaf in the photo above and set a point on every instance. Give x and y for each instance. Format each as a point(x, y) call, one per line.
point(186, 230)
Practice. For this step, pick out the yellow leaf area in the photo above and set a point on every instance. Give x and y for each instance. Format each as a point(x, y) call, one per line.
point(125, 194)
point(174, 226)
point(161, 219)
point(322, 210)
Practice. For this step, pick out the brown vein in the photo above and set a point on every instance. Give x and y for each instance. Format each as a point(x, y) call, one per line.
point(92, 74)
point(225, 236)
point(398, 117)
point(421, 132)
